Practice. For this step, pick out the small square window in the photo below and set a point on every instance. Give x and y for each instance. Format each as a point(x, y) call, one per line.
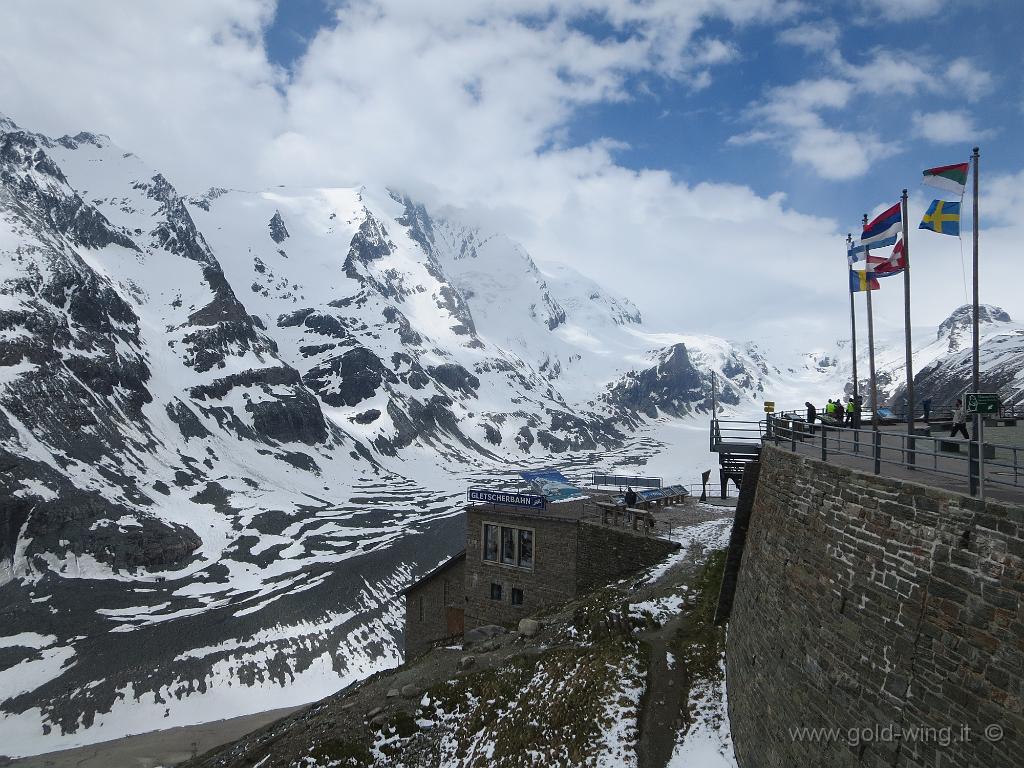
point(517, 596)
point(495, 591)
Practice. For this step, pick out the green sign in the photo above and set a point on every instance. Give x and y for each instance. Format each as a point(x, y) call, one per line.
point(982, 402)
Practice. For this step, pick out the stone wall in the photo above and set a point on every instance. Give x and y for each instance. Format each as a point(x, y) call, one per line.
point(552, 579)
point(606, 554)
point(876, 607)
point(427, 603)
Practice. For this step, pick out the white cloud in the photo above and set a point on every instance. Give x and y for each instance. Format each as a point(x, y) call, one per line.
point(467, 103)
point(886, 73)
point(838, 155)
point(186, 85)
point(974, 82)
point(946, 127)
point(797, 114)
point(813, 36)
point(903, 9)
point(793, 111)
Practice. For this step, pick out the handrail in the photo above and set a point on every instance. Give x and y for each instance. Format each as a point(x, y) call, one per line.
point(1003, 464)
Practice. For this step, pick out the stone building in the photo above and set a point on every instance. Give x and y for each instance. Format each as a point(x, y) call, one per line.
point(435, 606)
point(518, 559)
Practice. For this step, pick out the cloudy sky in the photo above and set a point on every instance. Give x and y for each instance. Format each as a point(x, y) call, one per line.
point(704, 157)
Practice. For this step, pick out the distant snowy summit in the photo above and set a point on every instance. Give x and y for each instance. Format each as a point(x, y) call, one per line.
point(155, 344)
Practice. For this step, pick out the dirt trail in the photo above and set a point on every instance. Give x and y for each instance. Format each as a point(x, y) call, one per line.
point(663, 710)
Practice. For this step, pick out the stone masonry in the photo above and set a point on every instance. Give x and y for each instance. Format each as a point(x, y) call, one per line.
point(888, 611)
point(434, 606)
point(571, 556)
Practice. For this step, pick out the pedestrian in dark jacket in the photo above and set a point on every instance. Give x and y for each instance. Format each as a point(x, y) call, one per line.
point(926, 406)
point(812, 414)
point(630, 497)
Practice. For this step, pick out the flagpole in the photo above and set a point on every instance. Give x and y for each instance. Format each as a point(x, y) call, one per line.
point(853, 322)
point(906, 320)
point(976, 370)
point(871, 343)
point(976, 481)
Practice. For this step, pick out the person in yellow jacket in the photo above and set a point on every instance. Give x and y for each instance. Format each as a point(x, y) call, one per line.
point(850, 409)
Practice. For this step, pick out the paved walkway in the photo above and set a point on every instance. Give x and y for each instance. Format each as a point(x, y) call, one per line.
point(943, 470)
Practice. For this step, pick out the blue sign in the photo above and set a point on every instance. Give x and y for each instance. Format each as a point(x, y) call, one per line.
point(552, 484)
point(507, 498)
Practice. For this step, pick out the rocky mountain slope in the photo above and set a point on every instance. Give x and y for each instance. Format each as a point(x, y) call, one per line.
point(942, 360)
point(943, 366)
point(248, 418)
point(234, 424)
point(631, 674)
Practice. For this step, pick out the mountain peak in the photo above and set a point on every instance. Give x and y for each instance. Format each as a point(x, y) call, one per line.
point(100, 140)
point(958, 325)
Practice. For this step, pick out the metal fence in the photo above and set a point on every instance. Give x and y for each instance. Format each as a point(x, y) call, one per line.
point(999, 465)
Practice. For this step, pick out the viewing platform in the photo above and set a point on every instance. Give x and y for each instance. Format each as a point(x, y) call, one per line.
point(929, 456)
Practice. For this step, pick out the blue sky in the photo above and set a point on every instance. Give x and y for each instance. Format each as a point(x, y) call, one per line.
point(721, 142)
point(668, 125)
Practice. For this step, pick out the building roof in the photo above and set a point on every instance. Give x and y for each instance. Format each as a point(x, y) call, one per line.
point(453, 560)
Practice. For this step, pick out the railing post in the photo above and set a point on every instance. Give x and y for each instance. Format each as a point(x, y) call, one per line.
point(877, 440)
point(824, 441)
point(792, 435)
point(972, 467)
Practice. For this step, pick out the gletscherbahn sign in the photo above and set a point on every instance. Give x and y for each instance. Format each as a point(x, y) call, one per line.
point(506, 498)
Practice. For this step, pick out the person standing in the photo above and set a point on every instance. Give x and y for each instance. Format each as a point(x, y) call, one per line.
point(630, 497)
point(812, 414)
point(926, 406)
point(849, 412)
point(959, 421)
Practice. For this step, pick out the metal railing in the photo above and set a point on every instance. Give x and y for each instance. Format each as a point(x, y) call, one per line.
point(1003, 464)
point(714, 490)
point(736, 433)
point(940, 414)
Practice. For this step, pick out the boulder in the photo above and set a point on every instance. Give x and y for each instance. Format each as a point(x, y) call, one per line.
point(466, 662)
point(393, 693)
point(529, 627)
point(410, 691)
point(480, 634)
point(374, 712)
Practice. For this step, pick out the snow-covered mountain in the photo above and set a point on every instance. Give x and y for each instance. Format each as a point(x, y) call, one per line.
point(943, 366)
point(942, 360)
point(233, 425)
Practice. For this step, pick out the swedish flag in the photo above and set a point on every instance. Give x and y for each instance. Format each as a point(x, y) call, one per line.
point(942, 217)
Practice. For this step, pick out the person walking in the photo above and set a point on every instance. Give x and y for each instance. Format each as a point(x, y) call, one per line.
point(849, 412)
point(959, 421)
point(812, 414)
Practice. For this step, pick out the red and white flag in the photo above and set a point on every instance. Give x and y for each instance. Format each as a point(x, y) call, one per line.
point(887, 266)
